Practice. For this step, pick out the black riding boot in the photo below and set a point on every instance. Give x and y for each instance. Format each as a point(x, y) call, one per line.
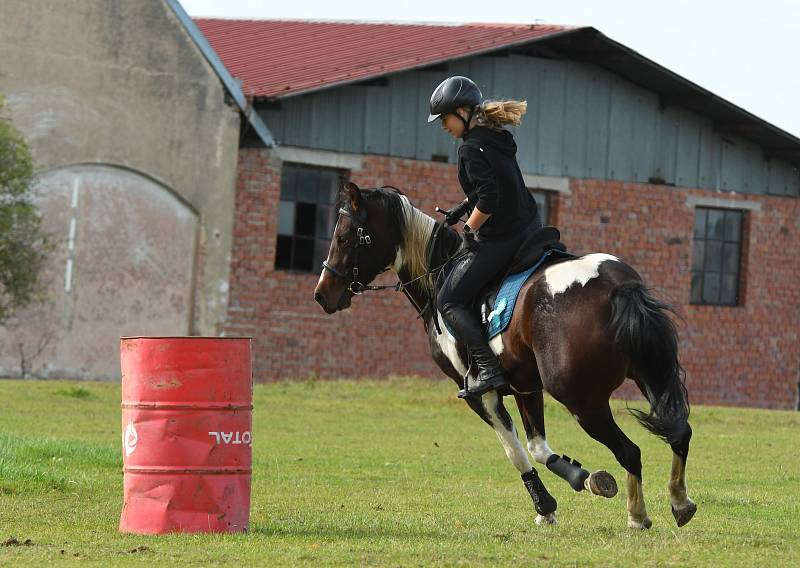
point(467, 329)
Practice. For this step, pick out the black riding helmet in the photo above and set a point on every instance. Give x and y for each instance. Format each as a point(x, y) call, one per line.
point(452, 93)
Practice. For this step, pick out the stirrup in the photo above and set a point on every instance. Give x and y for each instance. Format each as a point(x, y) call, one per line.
point(464, 394)
point(498, 382)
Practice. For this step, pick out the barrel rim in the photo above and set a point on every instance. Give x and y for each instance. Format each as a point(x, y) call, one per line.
point(186, 337)
point(193, 405)
point(180, 469)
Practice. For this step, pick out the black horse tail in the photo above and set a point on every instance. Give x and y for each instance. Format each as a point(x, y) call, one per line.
point(642, 329)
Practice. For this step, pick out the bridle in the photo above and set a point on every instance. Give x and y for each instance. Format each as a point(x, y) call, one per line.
point(356, 287)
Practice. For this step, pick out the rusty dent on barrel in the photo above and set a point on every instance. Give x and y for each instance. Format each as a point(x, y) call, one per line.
point(172, 383)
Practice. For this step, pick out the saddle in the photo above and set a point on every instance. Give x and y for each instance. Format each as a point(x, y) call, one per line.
point(495, 303)
point(532, 249)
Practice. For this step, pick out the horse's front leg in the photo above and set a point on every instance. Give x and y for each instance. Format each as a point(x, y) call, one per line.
point(452, 360)
point(531, 408)
point(491, 409)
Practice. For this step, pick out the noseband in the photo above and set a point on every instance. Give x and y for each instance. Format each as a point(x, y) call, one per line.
point(355, 287)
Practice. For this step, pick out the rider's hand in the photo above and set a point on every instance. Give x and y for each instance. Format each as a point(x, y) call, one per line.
point(468, 241)
point(454, 214)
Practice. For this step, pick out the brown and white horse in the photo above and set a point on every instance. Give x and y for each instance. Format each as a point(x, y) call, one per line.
point(580, 327)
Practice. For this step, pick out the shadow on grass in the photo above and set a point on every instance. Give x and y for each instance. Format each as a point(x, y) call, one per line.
point(342, 533)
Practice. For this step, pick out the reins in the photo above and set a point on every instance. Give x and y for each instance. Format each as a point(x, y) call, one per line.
point(357, 288)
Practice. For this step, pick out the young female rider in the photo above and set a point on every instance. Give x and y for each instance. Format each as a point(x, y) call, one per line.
point(503, 212)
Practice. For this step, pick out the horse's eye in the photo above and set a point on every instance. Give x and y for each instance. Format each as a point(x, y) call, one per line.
point(342, 240)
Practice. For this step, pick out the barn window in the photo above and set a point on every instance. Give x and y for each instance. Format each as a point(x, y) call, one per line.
point(306, 216)
point(543, 202)
point(716, 256)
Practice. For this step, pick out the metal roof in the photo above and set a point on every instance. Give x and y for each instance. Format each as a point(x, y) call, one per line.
point(276, 58)
point(280, 58)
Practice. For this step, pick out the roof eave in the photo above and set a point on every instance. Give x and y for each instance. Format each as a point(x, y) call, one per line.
point(222, 72)
point(431, 63)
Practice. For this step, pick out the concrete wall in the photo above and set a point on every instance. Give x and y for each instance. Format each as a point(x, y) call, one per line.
point(742, 355)
point(120, 84)
point(123, 265)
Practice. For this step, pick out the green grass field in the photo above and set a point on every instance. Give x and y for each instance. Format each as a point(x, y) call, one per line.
point(396, 473)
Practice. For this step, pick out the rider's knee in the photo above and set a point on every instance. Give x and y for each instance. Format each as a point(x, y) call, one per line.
point(443, 300)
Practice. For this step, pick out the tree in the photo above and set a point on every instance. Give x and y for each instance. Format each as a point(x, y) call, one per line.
point(23, 245)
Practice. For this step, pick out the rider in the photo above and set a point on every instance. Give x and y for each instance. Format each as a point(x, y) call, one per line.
point(503, 211)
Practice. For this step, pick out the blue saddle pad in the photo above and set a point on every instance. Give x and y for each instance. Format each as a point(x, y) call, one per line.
point(503, 308)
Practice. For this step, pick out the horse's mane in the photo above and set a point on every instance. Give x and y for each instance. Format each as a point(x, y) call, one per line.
point(414, 226)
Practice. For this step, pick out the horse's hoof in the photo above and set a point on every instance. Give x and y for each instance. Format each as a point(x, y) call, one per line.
point(549, 519)
point(640, 525)
point(684, 515)
point(601, 483)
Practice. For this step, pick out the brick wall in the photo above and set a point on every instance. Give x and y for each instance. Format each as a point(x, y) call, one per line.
point(745, 355)
point(742, 355)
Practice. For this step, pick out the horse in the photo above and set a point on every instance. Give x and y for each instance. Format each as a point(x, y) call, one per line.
point(580, 327)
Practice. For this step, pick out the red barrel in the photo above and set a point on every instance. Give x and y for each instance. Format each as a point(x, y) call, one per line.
point(186, 434)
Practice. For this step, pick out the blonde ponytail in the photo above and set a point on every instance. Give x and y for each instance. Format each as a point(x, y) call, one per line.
point(500, 113)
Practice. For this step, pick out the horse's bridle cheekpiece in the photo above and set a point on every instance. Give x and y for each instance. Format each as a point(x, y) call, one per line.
point(360, 220)
point(357, 288)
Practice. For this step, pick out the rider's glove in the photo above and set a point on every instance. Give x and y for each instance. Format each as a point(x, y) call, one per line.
point(452, 216)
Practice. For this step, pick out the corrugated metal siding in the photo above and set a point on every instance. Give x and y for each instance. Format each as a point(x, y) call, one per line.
point(582, 122)
point(687, 158)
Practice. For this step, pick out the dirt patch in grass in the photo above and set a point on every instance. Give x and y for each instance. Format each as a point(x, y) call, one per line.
point(15, 542)
point(138, 549)
point(76, 392)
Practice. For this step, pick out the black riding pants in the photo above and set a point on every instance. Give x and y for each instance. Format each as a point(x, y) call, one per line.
point(472, 273)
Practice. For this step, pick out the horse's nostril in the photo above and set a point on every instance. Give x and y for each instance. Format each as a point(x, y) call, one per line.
point(320, 299)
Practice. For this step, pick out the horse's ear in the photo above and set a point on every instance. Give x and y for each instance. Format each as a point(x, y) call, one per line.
point(352, 193)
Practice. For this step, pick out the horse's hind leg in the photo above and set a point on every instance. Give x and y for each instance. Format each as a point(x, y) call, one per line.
point(599, 424)
point(491, 409)
point(683, 508)
point(531, 408)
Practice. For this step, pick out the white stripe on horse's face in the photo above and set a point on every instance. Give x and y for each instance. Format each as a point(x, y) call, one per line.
point(565, 274)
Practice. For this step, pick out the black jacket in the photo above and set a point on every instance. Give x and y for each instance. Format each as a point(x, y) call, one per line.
point(491, 179)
